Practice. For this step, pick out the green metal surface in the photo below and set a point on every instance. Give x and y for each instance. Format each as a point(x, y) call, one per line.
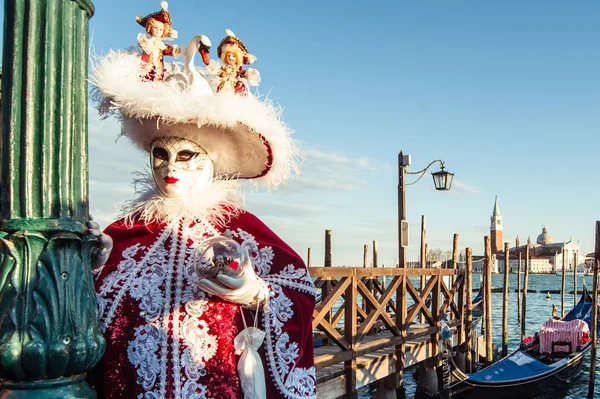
point(49, 335)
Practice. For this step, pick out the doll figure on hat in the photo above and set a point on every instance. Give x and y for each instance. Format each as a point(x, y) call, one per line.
point(233, 77)
point(158, 26)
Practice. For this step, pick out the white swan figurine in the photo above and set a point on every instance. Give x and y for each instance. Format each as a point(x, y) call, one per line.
point(191, 79)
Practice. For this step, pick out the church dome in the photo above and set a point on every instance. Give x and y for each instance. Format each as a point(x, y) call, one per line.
point(544, 238)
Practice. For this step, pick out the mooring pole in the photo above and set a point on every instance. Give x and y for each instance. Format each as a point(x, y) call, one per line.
point(327, 285)
point(525, 282)
point(423, 260)
point(517, 243)
point(309, 258)
point(574, 278)
point(564, 282)
point(48, 320)
point(505, 302)
point(469, 307)
point(488, 297)
point(595, 313)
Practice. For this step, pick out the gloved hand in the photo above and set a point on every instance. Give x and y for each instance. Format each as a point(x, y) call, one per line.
point(103, 248)
point(246, 288)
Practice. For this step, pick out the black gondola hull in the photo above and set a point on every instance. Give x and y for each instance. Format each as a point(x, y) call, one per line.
point(523, 388)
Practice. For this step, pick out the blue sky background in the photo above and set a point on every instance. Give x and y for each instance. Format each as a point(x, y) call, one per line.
point(506, 92)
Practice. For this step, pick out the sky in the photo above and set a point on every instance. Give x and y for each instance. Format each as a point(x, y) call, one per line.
point(505, 92)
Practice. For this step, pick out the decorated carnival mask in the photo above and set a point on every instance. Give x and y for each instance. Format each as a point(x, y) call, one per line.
point(179, 166)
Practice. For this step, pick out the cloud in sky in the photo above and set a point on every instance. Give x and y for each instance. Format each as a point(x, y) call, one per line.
point(329, 171)
point(463, 187)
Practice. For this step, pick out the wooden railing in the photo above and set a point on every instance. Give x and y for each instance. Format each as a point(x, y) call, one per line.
point(381, 311)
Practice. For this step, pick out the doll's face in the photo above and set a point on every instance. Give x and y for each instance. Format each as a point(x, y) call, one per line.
point(179, 166)
point(157, 29)
point(230, 59)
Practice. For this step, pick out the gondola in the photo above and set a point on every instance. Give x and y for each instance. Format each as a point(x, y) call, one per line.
point(526, 373)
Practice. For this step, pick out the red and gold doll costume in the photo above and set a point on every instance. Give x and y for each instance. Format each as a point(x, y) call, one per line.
point(154, 50)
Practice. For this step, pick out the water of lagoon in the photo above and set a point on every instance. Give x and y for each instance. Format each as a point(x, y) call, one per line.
point(539, 309)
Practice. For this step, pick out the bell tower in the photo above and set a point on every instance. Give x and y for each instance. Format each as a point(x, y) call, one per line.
point(496, 229)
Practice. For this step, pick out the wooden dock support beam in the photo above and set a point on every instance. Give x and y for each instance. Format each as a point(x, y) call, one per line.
point(423, 259)
point(350, 327)
point(564, 283)
point(575, 279)
point(327, 285)
point(505, 302)
point(525, 282)
point(517, 243)
point(594, 313)
point(487, 267)
point(469, 300)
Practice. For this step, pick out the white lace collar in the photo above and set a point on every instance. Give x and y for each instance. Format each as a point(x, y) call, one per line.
point(216, 203)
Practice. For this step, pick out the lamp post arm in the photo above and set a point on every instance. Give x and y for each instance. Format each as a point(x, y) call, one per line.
point(422, 171)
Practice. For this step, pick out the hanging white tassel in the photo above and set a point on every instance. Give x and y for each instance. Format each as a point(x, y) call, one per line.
point(250, 367)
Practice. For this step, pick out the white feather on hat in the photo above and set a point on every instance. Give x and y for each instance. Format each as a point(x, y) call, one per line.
point(245, 137)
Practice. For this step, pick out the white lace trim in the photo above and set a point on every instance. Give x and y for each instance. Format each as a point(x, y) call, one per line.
point(191, 344)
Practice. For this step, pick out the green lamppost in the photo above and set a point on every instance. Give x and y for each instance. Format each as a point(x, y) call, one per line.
point(48, 331)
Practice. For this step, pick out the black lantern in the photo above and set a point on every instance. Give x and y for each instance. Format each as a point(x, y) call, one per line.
point(442, 179)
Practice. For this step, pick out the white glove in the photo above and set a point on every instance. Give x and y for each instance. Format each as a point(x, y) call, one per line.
point(104, 246)
point(245, 289)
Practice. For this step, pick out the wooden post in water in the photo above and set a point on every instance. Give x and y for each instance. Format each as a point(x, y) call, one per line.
point(574, 278)
point(375, 264)
point(350, 328)
point(309, 258)
point(327, 285)
point(327, 262)
point(489, 358)
point(455, 252)
point(369, 282)
point(564, 282)
point(525, 282)
point(375, 254)
point(505, 302)
point(518, 244)
point(594, 313)
point(451, 279)
point(469, 300)
point(423, 259)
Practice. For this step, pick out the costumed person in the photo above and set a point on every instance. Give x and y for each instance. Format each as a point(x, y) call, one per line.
point(158, 25)
point(233, 54)
point(173, 329)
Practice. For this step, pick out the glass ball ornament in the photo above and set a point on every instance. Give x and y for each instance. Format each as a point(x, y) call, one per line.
point(218, 254)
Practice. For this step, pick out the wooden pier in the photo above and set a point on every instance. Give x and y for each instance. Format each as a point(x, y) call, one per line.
point(378, 340)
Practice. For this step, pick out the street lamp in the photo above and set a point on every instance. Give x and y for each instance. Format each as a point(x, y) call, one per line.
point(442, 181)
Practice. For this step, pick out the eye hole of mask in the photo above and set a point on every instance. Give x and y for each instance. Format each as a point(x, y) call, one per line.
point(185, 155)
point(160, 153)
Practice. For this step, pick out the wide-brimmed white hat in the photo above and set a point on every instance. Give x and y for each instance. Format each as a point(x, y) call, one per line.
point(244, 136)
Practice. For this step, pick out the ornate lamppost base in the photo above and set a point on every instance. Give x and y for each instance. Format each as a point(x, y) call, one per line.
point(74, 387)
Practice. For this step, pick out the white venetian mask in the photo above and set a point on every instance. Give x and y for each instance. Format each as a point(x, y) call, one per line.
point(179, 166)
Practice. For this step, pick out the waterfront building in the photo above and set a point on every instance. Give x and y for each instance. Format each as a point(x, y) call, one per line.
point(546, 256)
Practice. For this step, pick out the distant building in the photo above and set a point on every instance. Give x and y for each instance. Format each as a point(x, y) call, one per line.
point(496, 230)
point(545, 255)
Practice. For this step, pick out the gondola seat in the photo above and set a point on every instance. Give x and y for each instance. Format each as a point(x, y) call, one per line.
point(561, 335)
point(557, 353)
